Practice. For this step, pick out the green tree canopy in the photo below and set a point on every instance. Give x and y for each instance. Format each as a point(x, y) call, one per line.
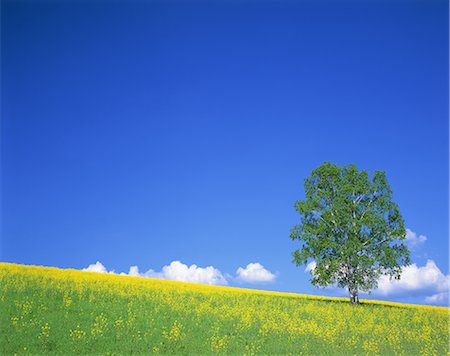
point(351, 228)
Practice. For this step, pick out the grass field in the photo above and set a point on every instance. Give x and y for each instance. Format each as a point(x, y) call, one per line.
point(48, 310)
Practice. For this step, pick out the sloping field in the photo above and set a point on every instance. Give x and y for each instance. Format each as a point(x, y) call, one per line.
point(48, 310)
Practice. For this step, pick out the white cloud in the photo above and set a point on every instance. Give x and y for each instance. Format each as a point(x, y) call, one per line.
point(134, 271)
point(426, 280)
point(439, 298)
point(255, 273)
point(176, 271)
point(180, 272)
point(414, 240)
point(96, 267)
point(311, 266)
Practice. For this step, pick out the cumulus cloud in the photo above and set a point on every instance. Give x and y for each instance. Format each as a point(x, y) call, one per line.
point(311, 266)
point(428, 281)
point(176, 271)
point(414, 240)
point(255, 273)
point(96, 267)
point(134, 271)
point(439, 298)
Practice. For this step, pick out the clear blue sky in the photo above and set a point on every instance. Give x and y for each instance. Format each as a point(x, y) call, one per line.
point(143, 132)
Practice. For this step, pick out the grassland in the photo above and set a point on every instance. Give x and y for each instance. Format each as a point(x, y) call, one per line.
point(48, 310)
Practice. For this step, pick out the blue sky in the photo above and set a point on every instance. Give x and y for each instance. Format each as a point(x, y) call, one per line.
point(146, 132)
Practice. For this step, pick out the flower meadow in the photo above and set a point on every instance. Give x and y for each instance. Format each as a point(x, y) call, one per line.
point(53, 311)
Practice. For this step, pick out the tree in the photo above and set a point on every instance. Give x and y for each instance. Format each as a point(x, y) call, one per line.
point(350, 228)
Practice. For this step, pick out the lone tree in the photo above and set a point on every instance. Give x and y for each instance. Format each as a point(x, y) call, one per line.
point(350, 228)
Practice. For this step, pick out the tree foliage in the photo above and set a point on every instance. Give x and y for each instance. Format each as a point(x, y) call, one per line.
point(351, 228)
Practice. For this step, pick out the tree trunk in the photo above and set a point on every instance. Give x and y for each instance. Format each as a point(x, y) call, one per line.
point(354, 298)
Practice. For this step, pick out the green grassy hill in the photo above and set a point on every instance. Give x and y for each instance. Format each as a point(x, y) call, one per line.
point(48, 310)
